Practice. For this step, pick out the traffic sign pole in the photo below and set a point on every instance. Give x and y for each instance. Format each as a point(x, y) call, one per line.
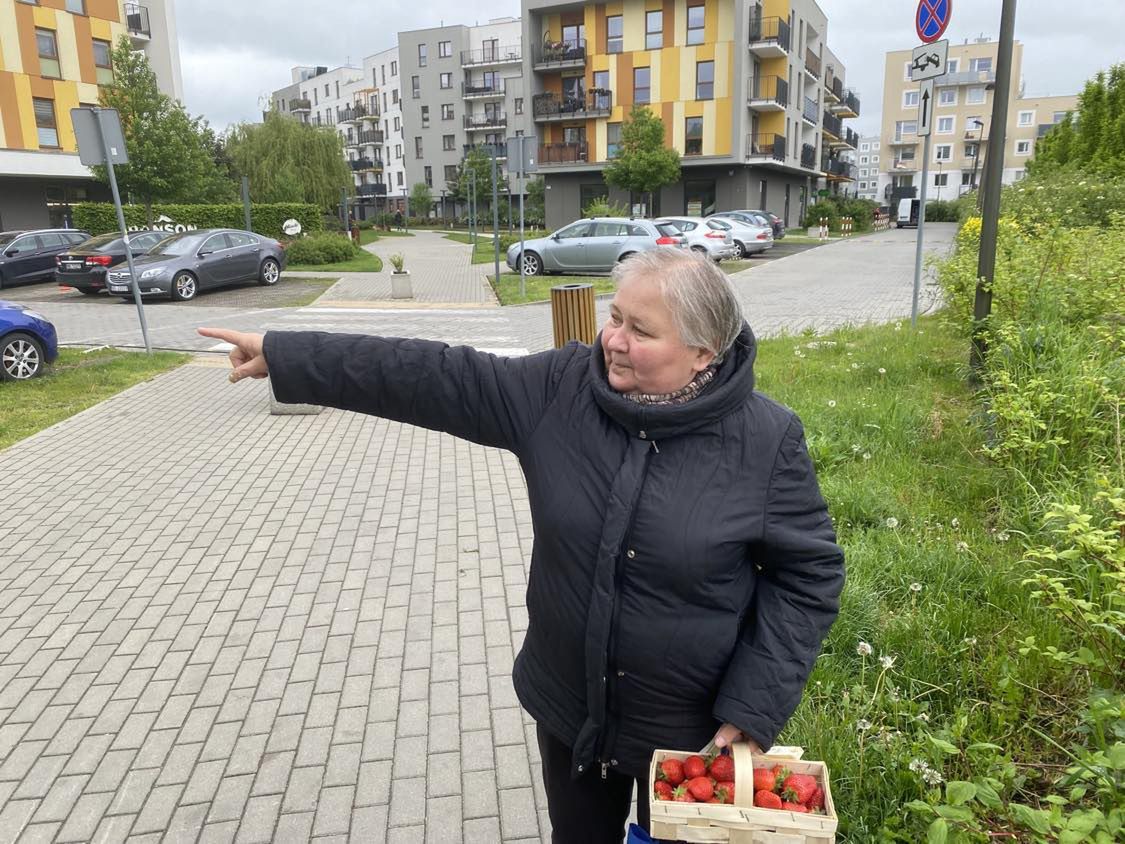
point(921, 233)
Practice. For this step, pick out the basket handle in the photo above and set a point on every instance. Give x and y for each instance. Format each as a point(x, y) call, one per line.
point(744, 774)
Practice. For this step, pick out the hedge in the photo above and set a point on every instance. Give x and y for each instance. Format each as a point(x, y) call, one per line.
point(100, 217)
point(323, 248)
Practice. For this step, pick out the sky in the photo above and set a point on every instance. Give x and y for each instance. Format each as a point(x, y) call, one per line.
point(235, 53)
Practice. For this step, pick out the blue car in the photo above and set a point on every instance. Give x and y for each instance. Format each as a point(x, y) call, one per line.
point(28, 342)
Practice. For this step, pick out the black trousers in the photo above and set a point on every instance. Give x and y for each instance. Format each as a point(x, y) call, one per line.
point(588, 810)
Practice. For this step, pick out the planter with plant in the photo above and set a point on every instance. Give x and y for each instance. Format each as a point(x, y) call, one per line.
point(401, 287)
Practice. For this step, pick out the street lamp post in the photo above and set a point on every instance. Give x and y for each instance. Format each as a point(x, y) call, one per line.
point(406, 216)
point(443, 221)
point(940, 167)
point(976, 154)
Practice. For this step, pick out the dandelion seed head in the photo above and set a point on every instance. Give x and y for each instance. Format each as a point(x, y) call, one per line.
point(887, 661)
point(962, 547)
point(832, 402)
point(882, 371)
point(863, 725)
point(955, 522)
point(892, 522)
point(864, 649)
point(915, 587)
point(867, 455)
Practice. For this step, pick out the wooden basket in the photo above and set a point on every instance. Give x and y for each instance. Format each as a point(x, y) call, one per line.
point(742, 822)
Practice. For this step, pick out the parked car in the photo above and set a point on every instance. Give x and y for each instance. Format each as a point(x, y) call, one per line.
point(909, 211)
point(28, 342)
point(752, 233)
point(712, 237)
point(183, 264)
point(592, 245)
point(775, 222)
point(27, 256)
point(86, 265)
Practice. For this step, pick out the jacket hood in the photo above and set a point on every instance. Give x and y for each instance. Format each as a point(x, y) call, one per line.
point(730, 389)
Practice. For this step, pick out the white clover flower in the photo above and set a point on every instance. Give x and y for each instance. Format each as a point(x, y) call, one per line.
point(898, 326)
point(971, 641)
point(867, 455)
point(864, 649)
point(882, 371)
point(917, 765)
point(955, 523)
point(863, 725)
point(887, 662)
point(892, 522)
point(924, 718)
point(1002, 536)
point(932, 777)
point(855, 448)
point(915, 587)
point(855, 366)
point(962, 547)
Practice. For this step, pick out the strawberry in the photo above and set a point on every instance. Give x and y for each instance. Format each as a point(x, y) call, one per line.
point(671, 771)
point(798, 788)
point(713, 800)
point(764, 780)
point(816, 802)
point(694, 766)
point(682, 795)
point(725, 791)
point(795, 807)
point(722, 768)
point(662, 790)
point(767, 800)
point(701, 789)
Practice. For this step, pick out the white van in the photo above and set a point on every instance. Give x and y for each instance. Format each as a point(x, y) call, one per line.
point(908, 210)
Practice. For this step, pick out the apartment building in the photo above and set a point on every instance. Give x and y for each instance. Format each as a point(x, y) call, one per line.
point(463, 88)
point(748, 93)
point(959, 145)
point(867, 164)
point(53, 56)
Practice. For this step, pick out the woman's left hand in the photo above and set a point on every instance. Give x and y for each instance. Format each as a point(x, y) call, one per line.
point(728, 734)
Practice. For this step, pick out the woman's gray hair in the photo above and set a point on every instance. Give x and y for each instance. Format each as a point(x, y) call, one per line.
point(704, 306)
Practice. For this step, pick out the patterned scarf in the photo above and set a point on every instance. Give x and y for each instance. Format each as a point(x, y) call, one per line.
point(680, 396)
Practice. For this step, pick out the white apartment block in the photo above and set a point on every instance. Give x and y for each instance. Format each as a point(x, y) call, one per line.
point(867, 163)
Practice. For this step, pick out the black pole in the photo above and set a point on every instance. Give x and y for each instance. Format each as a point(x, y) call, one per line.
point(246, 201)
point(991, 184)
point(495, 218)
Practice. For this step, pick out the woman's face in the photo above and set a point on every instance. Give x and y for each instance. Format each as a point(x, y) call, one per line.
point(643, 350)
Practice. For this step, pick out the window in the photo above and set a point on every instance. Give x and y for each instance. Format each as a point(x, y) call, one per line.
point(943, 152)
point(1059, 116)
point(394, 69)
point(907, 72)
point(614, 34)
point(45, 122)
point(947, 96)
point(450, 172)
point(444, 49)
point(696, 16)
point(704, 80)
point(973, 123)
point(970, 150)
point(76, 6)
point(573, 35)
point(446, 80)
point(398, 150)
point(398, 124)
point(415, 87)
point(941, 180)
point(448, 142)
point(1026, 118)
point(425, 117)
point(875, 145)
point(421, 55)
point(428, 175)
point(907, 154)
point(519, 105)
point(905, 127)
point(693, 136)
point(612, 139)
point(654, 30)
point(981, 64)
point(48, 53)
point(394, 96)
point(326, 91)
point(966, 179)
point(945, 125)
point(864, 147)
point(447, 111)
point(582, 228)
point(417, 147)
point(863, 185)
point(1023, 147)
point(399, 179)
point(863, 173)
point(383, 73)
point(875, 158)
point(102, 62)
point(863, 159)
point(641, 82)
point(909, 99)
point(951, 66)
point(975, 95)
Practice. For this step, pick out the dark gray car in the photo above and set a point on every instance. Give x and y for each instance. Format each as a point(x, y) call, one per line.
point(182, 265)
point(27, 256)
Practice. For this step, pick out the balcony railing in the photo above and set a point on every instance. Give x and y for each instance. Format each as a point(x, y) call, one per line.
point(492, 55)
point(371, 136)
point(809, 112)
point(904, 164)
point(812, 63)
point(768, 36)
point(560, 54)
point(597, 102)
point(488, 120)
point(765, 145)
point(136, 20)
point(834, 167)
point(566, 153)
point(352, 112)
point(808, 156)
point(366, 164)
point(851, 138)
point(767, 91)
point(833, 125)
point(850, 104)
point(378, 189)
point(299, 105)
point(969, 77)
point(501, 149)
point(833, 86)
point(482, 90)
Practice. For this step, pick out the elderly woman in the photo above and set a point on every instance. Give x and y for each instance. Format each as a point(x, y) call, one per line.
point(684, 570)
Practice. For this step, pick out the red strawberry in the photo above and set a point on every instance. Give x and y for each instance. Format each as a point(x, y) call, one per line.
point(701, 789)
point(722, 768)
point(767, 800)
point(798, 788)
point(694, 766)
point(725, 791)
point(795, 807)
point(682, 795)
point(671, 771)
point(816, 802)
point(662, 790)
point(764, 780)
point(713, 800)
point(780, 773)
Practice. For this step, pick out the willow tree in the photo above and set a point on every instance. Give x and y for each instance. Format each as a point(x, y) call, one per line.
point(290, 161)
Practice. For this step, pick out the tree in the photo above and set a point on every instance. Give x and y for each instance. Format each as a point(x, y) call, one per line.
point(290, 161)
point(535, 203)
point(643, 163)
point(421, 200)
point(170, 153)
point(478, 162)
point(1093, 139)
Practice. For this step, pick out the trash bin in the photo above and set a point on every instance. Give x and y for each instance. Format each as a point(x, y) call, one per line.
point(572, 314)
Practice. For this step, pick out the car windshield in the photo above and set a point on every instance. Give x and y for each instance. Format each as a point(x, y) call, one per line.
point(667, 229)
point(8, 237)
point(721, 225)
point(176, 244)
point(100, 241)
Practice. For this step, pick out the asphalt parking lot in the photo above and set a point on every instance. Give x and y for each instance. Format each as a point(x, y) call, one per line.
point(289, 292)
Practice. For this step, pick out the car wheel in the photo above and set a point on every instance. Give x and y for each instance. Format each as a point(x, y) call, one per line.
point(532, 263)
point(21, 357)
point(270, 273)
point(626, 257)
point(184, 287)
point(742, 253)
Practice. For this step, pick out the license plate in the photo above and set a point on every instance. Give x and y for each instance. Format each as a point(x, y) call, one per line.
point(71, 265)
point(116, 288)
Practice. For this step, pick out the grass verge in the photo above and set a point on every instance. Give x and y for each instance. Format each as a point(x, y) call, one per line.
point(365, 263)
point(538, 288)
point(75, 382)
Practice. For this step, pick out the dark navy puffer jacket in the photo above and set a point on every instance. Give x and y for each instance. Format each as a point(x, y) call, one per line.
point(684, 571)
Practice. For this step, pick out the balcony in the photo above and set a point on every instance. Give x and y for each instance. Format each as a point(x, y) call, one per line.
point(597, 102)
point(378, 189)
point(299, 106)
point(360, 165)
point(567, 153)
point(809, 112)
point(851, 138)
point(489, 120)
point(765, 146)
point(768, 37)
point(968, 77)
point(494, 55)
point(833, 88)
point(767, 93)
point(904, 165)
point(839, 171)
point(808, 156)
point(483, 90)
point(833, 126)
point(812, 64)
point(371, 136)
point(136, 21)
point(560, 55)
point(908, 139)
point(501, 150)
point(354, 112)
point(849, 105)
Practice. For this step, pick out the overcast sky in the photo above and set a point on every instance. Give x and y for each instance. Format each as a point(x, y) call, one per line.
point(234, 53)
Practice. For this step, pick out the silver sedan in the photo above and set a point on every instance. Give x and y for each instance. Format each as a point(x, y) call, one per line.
point(712, 237)
point(752, 234)
point(592, 245)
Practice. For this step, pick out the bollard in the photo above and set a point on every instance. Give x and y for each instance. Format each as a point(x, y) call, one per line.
point(846, 227)
point(823, 228)
point(572, 314)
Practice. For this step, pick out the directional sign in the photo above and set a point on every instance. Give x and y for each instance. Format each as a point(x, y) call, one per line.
point(932, 18)
point(929, 60)
point(925, 108)
point(89, 135)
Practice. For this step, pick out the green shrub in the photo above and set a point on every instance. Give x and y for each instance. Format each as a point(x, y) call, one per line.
point(939, 211)
point(602, 207)
point(266, 218)
point(324, 248)
point(1071, 199)
point(822, 208)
